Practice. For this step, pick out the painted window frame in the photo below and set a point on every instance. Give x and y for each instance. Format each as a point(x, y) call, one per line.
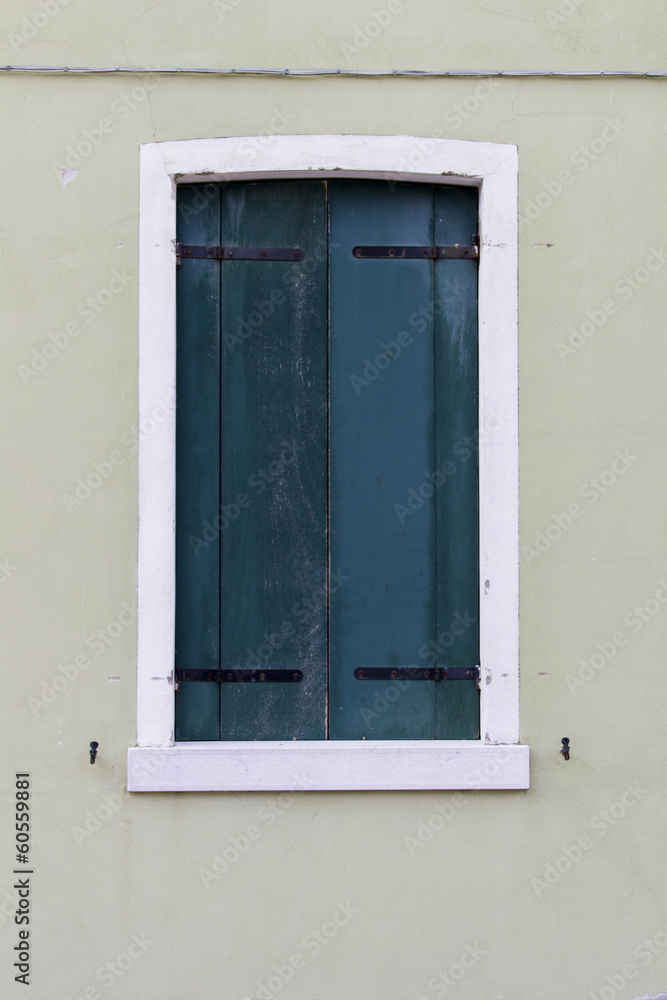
point(497, 760)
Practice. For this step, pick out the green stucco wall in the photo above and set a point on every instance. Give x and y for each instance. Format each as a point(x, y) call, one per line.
point(556, 893)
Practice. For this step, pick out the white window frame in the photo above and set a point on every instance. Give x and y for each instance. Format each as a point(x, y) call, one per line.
point(497, 761)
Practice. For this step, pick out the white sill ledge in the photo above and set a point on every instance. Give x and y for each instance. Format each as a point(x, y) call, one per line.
point(358, 765)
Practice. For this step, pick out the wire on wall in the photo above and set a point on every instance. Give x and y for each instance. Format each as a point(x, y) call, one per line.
point(418, 73)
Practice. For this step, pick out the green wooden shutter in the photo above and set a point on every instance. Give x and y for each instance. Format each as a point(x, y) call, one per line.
point(253, 485)
point(382, 441)
point(320, 430)
point(457, 440)
point(274, 451)
point(198, 465)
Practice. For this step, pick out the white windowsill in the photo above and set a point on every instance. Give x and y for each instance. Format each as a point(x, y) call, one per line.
point(327, 766)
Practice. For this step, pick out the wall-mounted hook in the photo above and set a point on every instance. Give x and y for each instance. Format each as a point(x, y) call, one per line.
point(565, 749)
point(93, 751)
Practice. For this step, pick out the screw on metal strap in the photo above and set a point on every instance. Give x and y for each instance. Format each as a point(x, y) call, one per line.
point(239, 676)
point(417, 673)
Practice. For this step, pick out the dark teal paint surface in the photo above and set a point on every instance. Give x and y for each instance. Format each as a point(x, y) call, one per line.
point(197, 464)
point(398, 534)
point(274, 461)
point(381, 446)
point(457, 442)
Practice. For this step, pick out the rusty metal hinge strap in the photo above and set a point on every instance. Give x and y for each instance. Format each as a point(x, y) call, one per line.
point(417, 673)
point(235, 253)
point(239, 676)
point(455, 252)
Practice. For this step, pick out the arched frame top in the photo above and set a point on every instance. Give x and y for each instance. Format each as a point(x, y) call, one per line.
point(497, 760)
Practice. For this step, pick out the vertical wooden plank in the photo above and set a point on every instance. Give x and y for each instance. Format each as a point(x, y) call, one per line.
point(197, 463)
point(457, 442)
point(382, 447)
point(274, 461)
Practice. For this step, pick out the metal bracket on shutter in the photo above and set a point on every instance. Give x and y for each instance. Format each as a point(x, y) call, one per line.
point(420, 253)
point(239, 676)
point(235, 253)
point(417, 673)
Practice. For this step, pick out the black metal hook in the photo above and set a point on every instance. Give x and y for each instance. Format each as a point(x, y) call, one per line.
point(565, 749)
point(93, 751)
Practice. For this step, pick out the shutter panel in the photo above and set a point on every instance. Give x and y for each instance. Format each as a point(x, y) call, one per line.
point(382, 443)
point(274, 460)
point(456, 501)
point(197, 464)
